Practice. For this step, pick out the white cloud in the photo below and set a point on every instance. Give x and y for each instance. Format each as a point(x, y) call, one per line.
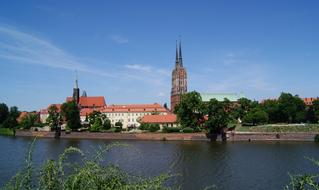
point(23, 47)
point(118, 39)
point(138, 67)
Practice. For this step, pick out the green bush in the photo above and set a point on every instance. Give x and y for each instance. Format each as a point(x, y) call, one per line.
point(188, 130)
point(6, 132)
point(317, 138)
point(96, 127)
point(113, 130)
point(144, 126)
point(154, 127)
point(118, 129)
point(171, 129)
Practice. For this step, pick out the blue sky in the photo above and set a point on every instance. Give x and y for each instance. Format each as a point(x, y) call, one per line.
point(125, 50)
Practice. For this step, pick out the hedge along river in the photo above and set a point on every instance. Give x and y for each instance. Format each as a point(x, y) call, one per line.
point(239, 165)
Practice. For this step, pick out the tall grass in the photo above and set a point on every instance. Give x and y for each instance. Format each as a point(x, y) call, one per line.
point(88, 174)
point(305, 181)
point(6, 132)
point(280, 128)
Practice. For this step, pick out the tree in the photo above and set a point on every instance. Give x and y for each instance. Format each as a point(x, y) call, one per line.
point(11, 121)
point(292, 107)
point(4, 112)
point(106, 124)
point(242, 108)
point(190, 110)
point(271, 107)
point(30, 120)
point(218, 118)
point(310, 115)
point(256, 116)
point(97, 126)
point(97, 117)
point(53, 118)
point(315, 105)
point(71, 114)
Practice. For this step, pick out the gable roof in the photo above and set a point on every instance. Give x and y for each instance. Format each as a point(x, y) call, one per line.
point(90, 101)
point(169, 118)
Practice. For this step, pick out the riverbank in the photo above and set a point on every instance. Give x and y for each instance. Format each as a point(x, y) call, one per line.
point(232, 136)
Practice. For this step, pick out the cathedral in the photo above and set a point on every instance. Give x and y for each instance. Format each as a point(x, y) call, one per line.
point(179, 78)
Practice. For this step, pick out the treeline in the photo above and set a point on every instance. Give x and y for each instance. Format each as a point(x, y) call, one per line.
point(215, 116)
point(11, 118)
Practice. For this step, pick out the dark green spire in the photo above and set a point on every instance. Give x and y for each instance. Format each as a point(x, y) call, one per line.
point(180, 53)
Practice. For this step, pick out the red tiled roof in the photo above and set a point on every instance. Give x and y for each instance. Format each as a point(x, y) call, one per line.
point(308, 101)
point(87, 111)
point(135, 108)
point(90, 101)
point(169, 118)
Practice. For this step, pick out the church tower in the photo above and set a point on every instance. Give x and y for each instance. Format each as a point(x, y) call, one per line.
point(179, 78)
point(76, 90)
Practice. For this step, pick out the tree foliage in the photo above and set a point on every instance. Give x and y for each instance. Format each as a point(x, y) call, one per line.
point(98, 121)
point(71, 114)
point(256, 116)
point(29, 120)
point(190, 110)
point(54, 117)
point(292, 108)
point(11, 120)
point(4, 112)
point(218, 118)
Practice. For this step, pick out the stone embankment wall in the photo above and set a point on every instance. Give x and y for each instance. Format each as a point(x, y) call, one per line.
point(232, 136)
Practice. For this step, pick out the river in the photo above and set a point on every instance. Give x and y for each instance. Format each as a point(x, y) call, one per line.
point(238, 165)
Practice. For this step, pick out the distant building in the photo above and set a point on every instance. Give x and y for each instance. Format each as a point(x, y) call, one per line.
point(89, 101)
point(131, 114)
point(233, 97)
point(169, 120)
point(44, 113)
point(308, 101)
point(179, 78)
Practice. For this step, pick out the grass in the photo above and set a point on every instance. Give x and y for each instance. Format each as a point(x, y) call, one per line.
point(280, 128)
point(6, 132)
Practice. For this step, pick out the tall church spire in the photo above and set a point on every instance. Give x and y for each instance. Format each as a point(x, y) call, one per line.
point(76, 80)
point(177, 56)
point(180, 53)
point(76, 90)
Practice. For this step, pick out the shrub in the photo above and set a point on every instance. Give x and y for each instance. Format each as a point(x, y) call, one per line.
point(118, 129)
point(119, 124)
point(96, 127)
point(188, 130)
point(154, 127)
point(171, 129)
point(317, 138)
point(144, 126)
point(6, 132)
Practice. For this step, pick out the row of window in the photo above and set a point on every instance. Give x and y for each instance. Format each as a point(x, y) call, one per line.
point(129, 114)
point(121, 120)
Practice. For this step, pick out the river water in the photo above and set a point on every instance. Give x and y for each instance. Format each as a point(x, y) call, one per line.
point(239, 165)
